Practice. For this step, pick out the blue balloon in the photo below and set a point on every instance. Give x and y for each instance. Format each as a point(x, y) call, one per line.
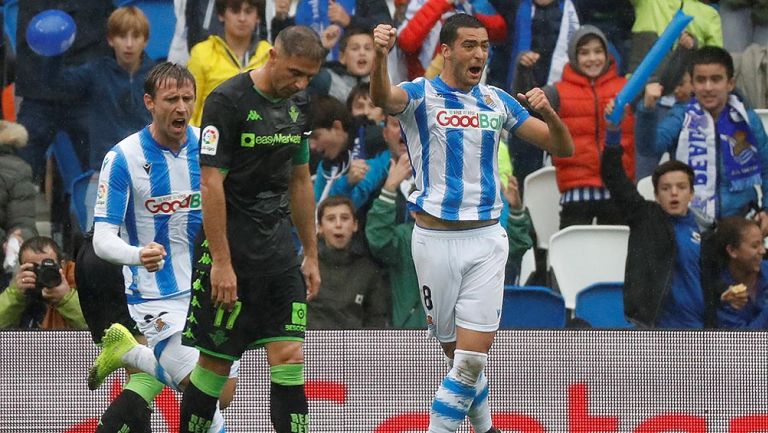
point(51, 32)
point(649, 64)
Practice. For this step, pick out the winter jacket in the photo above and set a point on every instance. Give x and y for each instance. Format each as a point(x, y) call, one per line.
point(351, 294)
point(581, 105)
point(17, 190)
point(115, 99)
point(652, 247)
point(212, 62)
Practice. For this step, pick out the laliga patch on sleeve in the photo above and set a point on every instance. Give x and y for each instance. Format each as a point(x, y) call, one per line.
point(209, 141)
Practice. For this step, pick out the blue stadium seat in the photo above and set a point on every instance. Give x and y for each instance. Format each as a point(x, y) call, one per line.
point(602, 305)
point(162, 22)
point(532, 307)
point(78, 203)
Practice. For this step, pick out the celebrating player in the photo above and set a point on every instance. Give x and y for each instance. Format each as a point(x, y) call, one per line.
point(452, 126)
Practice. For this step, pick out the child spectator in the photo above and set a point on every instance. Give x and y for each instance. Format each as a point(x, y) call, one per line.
point(219, 58)
point(663, 276)
point(360, 105)
point(354, 66)
point(589, 82)
point(351, 295)
point(113, 85)
point(743, 279)
point(719, 137)
point(353, 164)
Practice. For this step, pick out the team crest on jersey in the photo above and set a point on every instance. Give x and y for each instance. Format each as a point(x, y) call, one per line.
point(468, 119)
point(209, 141)
point(488, 100)
point(172, 203)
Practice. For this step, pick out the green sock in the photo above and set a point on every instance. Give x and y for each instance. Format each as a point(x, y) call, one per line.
point(287, 374)
point(207, 381)
point(144, 385)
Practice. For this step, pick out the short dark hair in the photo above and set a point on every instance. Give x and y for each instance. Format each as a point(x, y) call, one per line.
point(300, 41)
point(348, 33)
point(730, 232)
point(708, 55)
point(451, 27)
point(222, 5)
point(333, 201)
point(38, 244)
point(162, 72)
point(362, 89)
point(670, 166)
point(325, 109)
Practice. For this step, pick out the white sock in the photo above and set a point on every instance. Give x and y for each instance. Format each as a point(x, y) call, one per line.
point(479, 412)
point(141, 357)
point(217, 425)
point(455, 395)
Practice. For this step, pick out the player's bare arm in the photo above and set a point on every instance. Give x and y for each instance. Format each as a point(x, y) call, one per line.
point(223, 278)
point(303, 217)
point(391, 98)
point(551, 135)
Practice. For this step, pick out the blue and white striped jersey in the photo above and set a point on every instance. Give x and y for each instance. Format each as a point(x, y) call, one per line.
point(453, 141)
point(154, 195)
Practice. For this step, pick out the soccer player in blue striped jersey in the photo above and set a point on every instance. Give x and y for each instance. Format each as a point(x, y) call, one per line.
point(149, 191)
point(452, 126)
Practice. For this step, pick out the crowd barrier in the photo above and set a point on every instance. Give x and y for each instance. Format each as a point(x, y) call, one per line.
point(576, 381)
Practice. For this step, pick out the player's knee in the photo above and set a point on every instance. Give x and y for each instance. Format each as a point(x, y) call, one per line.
point(228, 393)
point(285, 353)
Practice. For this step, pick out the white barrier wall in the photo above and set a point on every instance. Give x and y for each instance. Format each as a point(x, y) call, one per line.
point(382, 381)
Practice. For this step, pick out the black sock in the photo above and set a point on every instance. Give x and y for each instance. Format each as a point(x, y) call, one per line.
point(197, 409)
point(288, 408)
point(128, 411)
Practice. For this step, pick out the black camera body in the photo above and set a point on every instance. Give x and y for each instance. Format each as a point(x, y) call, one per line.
point(47, 274)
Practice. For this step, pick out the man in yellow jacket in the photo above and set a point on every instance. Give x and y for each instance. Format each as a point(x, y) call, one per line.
point(219, 58)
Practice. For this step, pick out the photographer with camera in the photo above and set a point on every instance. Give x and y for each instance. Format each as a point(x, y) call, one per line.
point(42, 294)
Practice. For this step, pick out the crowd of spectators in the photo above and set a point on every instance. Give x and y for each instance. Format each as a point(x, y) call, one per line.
point(579, 51)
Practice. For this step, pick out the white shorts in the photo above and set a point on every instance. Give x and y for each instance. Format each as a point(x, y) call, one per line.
point(461, 278)
point(162, 322)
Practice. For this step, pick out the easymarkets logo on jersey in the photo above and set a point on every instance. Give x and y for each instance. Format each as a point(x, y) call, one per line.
point(249, 139)
point(469, 119)
point(171, 203)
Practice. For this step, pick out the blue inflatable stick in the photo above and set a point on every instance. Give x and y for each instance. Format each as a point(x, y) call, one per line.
point(649, 64)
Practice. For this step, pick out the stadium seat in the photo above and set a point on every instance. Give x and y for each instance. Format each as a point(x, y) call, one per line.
point(527, 266)
point(532, 307)
point(602, 305)
point(542, 198)
point(79, 206)
point(645, 188)
point(67, 161)
point(582, 255)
